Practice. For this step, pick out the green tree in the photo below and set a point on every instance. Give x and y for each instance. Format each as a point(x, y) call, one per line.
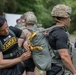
point(2, 6)
point(10, 6)
point(41, 8)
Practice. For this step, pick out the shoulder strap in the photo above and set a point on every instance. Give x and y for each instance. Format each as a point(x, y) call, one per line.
point(56, 26)
point(51, 28)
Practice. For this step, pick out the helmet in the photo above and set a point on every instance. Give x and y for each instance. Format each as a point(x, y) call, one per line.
point(27, 13)
point(31, 18)
point(61, 10)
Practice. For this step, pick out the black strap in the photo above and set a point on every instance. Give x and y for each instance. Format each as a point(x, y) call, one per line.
point(17, 53)
point(10, 54)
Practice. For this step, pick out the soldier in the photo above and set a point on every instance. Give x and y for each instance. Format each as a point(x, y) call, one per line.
point(11, 59)
point(59, 42)
point(29, 62)
point(39, 57)
point(34, 19)
point(31, 20)
point(20, 23)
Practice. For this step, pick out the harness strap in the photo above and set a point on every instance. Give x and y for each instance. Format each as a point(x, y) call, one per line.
point(32, 47)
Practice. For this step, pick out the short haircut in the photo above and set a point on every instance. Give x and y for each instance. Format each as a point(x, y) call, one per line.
point(2, 21)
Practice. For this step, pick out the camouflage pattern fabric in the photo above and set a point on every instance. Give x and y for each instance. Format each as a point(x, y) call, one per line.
point(28, 13)
point(31, 18)
point(67, 72)
point(61, 11)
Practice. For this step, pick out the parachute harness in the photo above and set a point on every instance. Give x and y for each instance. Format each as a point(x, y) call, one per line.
point(33, 47)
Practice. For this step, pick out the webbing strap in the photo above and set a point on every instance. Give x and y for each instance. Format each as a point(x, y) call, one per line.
point(32, 47)
point(10, 54)
point(17, 53)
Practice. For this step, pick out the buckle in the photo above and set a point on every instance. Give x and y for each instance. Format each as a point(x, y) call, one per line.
point(11, 54)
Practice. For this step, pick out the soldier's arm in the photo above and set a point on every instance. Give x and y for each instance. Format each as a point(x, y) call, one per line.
point(6, 63)
point(66, 59)
point(25, 34)
point(20, 42)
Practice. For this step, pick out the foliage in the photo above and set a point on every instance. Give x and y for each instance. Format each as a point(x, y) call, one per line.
point(41, 8)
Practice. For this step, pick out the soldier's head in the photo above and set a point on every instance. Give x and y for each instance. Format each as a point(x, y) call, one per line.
point(30, 19)
point(4, 29)
point(20, 22)
point(60, 12)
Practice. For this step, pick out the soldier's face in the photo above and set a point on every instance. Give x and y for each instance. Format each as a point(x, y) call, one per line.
point(4, 30)
point(66, 21)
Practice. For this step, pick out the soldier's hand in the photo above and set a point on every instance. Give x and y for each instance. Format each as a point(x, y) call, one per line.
point(26, 46)
point(25, 55)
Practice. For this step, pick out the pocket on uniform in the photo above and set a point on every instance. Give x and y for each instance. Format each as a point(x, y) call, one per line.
point(56, 68)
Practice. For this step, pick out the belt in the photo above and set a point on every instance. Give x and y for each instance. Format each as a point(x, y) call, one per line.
point(17, 53)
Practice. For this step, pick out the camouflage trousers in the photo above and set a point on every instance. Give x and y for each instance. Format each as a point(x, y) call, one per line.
point(65, 72)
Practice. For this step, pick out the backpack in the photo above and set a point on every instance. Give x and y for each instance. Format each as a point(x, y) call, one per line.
point(40, 49)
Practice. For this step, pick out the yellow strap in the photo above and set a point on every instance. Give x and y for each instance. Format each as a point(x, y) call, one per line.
point(32, 47)
point(32, 35)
